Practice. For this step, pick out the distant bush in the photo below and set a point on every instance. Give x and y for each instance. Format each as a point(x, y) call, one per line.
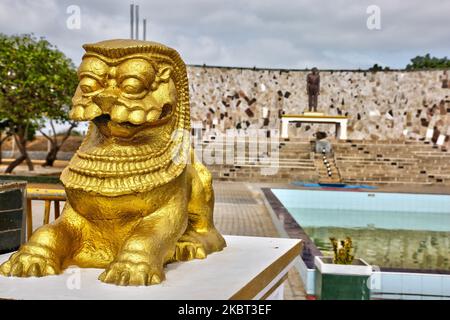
point(376, 68)
point(428, 62)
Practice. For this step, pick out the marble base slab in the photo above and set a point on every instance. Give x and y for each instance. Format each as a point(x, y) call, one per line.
point(248, 268)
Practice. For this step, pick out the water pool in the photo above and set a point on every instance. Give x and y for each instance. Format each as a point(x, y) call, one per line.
point(391, 230)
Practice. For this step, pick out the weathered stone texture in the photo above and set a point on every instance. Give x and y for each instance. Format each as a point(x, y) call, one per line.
point(384, 105)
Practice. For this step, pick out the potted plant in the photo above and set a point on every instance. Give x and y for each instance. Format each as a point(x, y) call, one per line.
point(342, 277)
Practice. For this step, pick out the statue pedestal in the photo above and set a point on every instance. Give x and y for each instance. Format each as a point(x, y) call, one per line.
point(314, 114)
point(315, 117)
point(248, 268)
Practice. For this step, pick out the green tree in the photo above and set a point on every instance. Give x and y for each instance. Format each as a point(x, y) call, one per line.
point(428, 62)
point(376, 68)
point(56, 140)
point(37, 82)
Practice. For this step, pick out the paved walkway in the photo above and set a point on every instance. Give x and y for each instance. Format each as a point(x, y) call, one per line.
point(240, 210)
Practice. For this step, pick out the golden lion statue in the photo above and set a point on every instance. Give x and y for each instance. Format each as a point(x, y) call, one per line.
point(136, 197)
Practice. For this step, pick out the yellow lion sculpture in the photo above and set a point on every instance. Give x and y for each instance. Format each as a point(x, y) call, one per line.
point(136, 197)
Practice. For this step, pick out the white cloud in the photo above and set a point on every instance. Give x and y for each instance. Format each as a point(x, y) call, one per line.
point(265, 33)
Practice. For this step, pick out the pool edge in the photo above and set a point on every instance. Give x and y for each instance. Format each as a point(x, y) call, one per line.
point(288, 227)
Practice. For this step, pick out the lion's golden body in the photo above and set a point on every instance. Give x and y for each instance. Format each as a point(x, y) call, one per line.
point(136, 197)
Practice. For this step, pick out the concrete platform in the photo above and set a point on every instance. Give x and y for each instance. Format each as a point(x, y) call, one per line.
point(249, 268)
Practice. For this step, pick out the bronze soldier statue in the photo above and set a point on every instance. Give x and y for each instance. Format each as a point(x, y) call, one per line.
point(313, 88)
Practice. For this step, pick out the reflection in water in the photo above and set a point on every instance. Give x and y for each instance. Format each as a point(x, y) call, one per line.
point(390, 248)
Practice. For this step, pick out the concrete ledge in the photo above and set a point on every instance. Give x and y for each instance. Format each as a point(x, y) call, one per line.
point(249, 268)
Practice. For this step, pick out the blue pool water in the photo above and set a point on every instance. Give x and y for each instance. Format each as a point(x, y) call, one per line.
point(388, 229)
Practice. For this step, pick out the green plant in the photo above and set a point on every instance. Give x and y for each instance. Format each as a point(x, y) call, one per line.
point(342, 254)
point(37, 82)
point(428, 62)
point(377, 67)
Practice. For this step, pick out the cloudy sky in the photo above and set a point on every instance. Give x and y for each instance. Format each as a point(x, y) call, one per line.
point(247, 33)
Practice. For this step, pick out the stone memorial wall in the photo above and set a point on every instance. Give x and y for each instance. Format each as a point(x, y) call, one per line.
point(384, 105)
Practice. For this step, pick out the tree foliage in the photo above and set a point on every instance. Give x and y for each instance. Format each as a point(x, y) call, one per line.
point(37, 82)
point(377, 67)
point(428, 62)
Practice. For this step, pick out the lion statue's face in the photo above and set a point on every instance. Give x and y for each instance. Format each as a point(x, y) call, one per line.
point(124, 96)
point(136, 96)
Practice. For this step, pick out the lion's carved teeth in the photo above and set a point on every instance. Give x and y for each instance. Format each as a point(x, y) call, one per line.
point(152, 115)
point(137, 117)
point(92, 111)
point(119, 114)
point(77, 113)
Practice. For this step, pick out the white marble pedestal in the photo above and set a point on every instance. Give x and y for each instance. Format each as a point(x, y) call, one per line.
point(249, 268)
point(309, 117)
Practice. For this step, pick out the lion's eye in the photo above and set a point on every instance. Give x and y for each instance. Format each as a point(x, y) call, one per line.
point(132, 86)
point(88, 85)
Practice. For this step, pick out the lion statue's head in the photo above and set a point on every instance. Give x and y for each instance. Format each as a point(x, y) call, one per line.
point(136, 96)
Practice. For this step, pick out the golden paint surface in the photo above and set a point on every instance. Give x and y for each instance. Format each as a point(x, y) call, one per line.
point(136, 197)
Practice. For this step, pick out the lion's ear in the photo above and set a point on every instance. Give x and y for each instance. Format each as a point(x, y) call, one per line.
point(164, 73)
point(163, 76)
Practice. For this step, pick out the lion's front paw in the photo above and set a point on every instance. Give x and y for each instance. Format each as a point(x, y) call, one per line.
point(27, 264)
point(194, 245)
point(130, 272)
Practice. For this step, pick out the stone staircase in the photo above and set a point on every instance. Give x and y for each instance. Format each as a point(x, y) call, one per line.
point(392, 162)
point(294, 161)
point(352, 162)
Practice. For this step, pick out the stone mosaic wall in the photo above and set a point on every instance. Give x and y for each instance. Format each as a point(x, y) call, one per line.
point(381, 106)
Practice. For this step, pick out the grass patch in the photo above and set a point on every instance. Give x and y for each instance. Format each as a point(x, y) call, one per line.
point(32, 179)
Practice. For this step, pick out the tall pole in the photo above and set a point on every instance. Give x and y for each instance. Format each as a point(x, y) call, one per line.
point(145, 30)
point(131, 20)
point(137, 22)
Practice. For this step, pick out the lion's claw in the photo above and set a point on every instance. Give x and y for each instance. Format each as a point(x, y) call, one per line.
point(188, 250)
point(22, 264)
point(125, 273)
